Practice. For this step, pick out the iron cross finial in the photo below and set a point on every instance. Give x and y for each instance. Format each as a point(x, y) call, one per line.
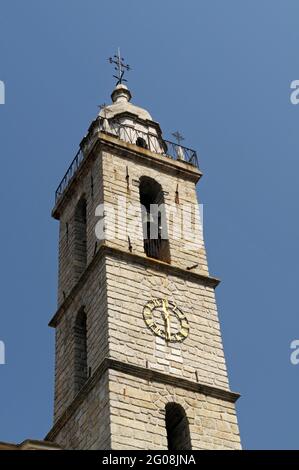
point(178, 137)
point(121, 67)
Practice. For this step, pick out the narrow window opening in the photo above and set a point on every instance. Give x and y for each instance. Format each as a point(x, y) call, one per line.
point(80, 239)
point(80, 347)
point(177, 427)
point(141, 142)
point(155, 235)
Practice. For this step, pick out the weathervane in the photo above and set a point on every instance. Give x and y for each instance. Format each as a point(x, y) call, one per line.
point(121, 67)
point(178, 137)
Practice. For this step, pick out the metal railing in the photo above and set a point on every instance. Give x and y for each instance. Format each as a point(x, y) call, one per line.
point(143, 139)
point(71, 171)
point(150, 141)
point(154, 143)
point(178, 152)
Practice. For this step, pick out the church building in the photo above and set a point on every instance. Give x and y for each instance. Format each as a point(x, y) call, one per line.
point(139, 361)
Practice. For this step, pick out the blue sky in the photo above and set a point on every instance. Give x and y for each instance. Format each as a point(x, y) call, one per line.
point(220, 72)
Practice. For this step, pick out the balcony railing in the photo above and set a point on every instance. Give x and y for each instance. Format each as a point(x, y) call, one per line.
point(153, 142)
point(150, 141)
point(71, 171)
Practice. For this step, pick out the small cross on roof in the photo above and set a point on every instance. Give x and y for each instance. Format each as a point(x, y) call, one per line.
point(178, 137)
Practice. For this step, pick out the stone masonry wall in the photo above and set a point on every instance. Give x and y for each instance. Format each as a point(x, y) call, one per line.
point(105, 181)
point(123, 412)
point(92, 296)
point(89, 425)
point(137, 414)
point(117, 186)
point(199, 357)
point(113, 295)
point(89, 186)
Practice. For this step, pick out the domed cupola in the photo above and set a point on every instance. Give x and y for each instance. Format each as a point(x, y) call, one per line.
point(121, 97)
point(130, 122)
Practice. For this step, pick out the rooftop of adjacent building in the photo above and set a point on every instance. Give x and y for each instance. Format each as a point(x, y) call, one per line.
point(29, 444)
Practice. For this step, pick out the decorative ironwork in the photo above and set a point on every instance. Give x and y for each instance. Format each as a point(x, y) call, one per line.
point(178, 137)
point(121, 67)
point(190, 156)
point(154, 143)
point(72, 170)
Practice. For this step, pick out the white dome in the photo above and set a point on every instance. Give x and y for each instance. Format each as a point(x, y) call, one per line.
point(121, 103)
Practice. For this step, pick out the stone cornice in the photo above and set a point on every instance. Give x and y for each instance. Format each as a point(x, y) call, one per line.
point(154, 264)
point(133, 151)
point(162, 377)
point(142, 373)
point(158, 265)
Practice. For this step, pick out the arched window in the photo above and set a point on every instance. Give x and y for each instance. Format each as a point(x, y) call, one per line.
point(141, 142)
point(156, 243)
point(177, 427)
point(80, 242)
point(80, 349)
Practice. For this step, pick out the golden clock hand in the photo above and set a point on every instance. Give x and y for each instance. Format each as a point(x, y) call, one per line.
point(167, 318)
point(165, 306)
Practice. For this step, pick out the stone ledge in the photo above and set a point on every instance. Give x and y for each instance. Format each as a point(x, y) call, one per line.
point(134, 151)
point(162, 266)
point(142, 373)
point(161, 377)
point(154, 264)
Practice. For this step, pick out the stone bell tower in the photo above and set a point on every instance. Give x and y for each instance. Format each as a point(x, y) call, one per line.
point(139, 357)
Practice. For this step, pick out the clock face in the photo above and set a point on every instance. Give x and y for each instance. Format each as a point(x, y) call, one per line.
point(166, 320)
